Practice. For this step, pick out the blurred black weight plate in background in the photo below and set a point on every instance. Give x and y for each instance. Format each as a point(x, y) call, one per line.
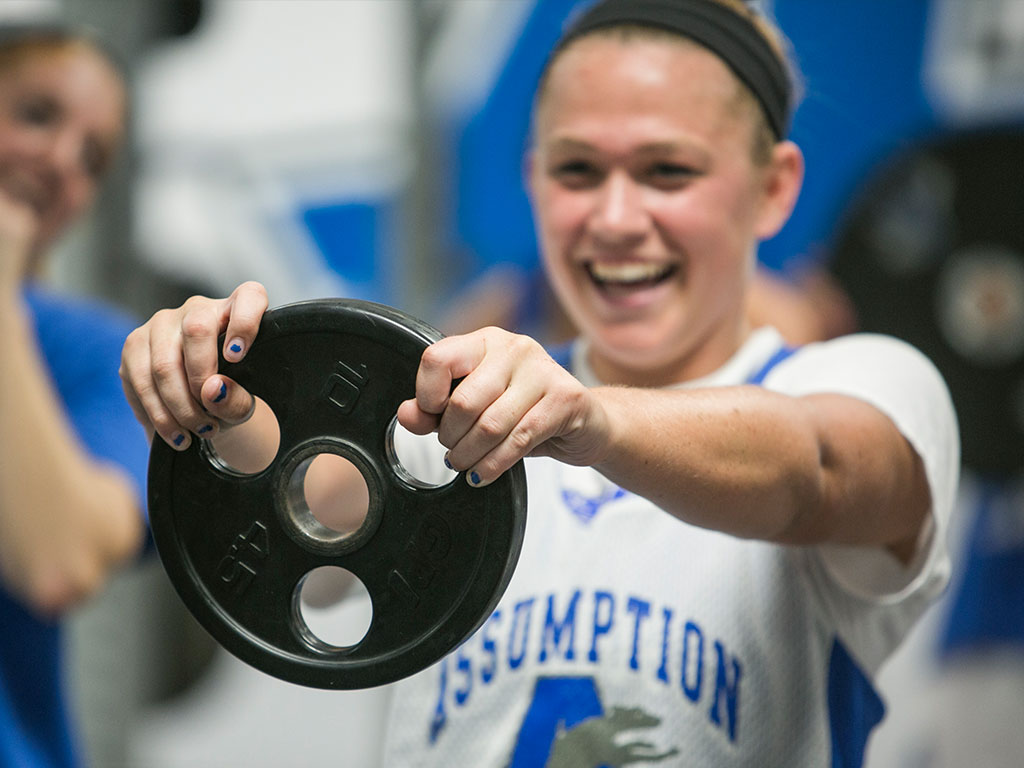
point(237, 548)
point(932, 251)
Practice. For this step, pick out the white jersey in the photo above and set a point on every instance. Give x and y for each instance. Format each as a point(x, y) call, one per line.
point(627, 636)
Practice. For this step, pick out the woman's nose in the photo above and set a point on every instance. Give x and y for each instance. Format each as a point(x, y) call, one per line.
point(64, 153)
point(619, 214)
point(71, 183)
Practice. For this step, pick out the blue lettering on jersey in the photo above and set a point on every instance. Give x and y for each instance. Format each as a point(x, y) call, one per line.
point(666, 625)
point(440, 718)
point(727, 689)
point(601, 626)
point(640, 609)
point(693, 661)
point(522, 614)
point(465, 667)
point(621, 621)
point(554, 629)
point(490, 648)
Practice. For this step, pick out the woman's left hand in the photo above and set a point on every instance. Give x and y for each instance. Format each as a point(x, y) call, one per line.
point(513, 401)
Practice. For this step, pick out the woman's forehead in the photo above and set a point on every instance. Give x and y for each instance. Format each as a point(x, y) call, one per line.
point(653, 76)
point(74, 60)
point(79, 74)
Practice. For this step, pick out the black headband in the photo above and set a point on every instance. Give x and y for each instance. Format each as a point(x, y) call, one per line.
point(733, 38)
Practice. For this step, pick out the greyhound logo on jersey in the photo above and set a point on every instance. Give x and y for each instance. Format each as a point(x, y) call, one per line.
point(594, 742)
point(566, 726)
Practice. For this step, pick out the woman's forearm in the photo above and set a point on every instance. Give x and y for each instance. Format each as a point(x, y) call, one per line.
point(66, 520)
point(758, 464)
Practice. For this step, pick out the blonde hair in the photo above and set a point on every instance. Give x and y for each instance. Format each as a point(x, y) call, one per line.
point(18, 43)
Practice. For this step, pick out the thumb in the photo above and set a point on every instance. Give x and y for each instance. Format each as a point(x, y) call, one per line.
point(226, 400)
point(416, 420)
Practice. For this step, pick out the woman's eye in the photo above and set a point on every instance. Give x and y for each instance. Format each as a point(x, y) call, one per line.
point(670, 173)
point(37, 111)
point(576, 172)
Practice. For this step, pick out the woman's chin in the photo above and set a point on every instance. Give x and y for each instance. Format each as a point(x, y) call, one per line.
point(634, 354)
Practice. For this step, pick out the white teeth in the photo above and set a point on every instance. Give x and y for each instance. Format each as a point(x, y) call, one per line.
point(628, 272)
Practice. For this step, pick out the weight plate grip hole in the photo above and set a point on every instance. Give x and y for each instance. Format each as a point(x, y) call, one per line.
point(417, 460)
point(328, 497)
point(228, 459)
point(333, 608)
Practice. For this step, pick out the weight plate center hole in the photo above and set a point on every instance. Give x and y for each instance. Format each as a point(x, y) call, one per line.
point(418, 460)
point(334, 608)
point(328, 498)
point(250, 451)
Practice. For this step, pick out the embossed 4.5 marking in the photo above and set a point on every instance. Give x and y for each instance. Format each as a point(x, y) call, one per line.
point(421, 559)
point(240, 565)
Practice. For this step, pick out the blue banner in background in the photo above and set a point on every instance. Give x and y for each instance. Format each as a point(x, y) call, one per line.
point(358, 240)
point(987, 608)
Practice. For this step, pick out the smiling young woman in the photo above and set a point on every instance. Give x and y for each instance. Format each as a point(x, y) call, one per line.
point(726, 536)
point(649, 202)
point(62, 112)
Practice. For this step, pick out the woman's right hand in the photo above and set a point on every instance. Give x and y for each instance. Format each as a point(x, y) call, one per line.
point(18, 226)
point(169, 365)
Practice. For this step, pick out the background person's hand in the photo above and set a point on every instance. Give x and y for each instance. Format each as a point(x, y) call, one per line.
point(18, 226)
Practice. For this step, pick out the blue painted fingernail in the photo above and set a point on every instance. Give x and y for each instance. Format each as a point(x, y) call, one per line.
point(178, 439)
point(222, 394)
point(236, 347)
point(448, 463)
point(474, 478)
point(204, 429)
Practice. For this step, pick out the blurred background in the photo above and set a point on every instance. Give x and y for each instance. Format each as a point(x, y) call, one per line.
point(373, 149)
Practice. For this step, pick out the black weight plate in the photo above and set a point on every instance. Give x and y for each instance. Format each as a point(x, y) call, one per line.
point(932, 251)
point(434, 561)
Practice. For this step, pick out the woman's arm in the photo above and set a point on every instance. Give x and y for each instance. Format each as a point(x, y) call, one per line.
point(742, 460)
point(758, 464)
point(66, 520)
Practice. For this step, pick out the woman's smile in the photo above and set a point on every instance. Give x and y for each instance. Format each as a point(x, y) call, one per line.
point(630, 284)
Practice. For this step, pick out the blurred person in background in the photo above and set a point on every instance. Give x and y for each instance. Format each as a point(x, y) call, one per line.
point(72, 459)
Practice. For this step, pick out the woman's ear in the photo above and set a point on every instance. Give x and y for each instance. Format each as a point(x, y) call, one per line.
point(781, 182)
